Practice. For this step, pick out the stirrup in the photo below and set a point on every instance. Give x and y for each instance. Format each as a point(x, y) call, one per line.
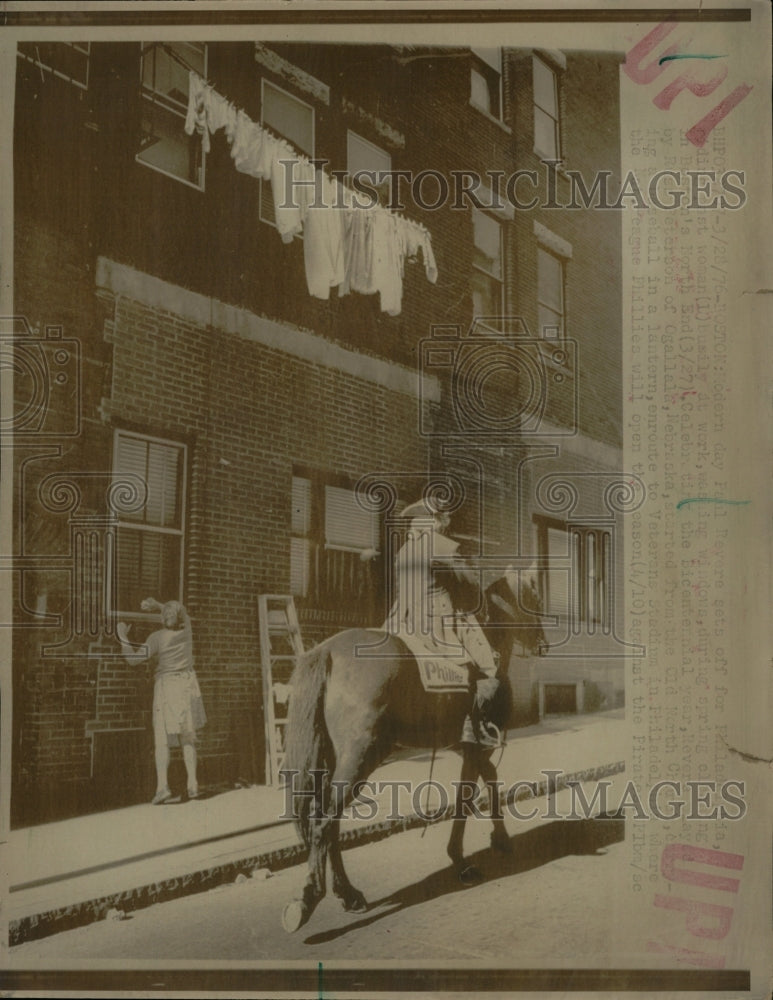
point(489, 735)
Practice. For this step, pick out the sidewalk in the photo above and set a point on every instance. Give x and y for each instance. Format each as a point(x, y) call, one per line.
point(73, 872)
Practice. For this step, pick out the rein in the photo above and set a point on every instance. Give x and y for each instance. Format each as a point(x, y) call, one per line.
point(429, 781)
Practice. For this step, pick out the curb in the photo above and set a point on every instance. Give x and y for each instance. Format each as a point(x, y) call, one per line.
point(40, 925)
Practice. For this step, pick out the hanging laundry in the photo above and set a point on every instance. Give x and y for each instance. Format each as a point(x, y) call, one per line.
point(323, 239)
point(358, 249)
point(388, 255)
point(292, 187)
point(417, 238)
point(358, 252)
point(219, 112)
point(196, 116)
point(252, 148)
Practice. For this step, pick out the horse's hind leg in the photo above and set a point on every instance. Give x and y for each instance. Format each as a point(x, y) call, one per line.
point(298, 911)
point(357, 761)
point(351, 898)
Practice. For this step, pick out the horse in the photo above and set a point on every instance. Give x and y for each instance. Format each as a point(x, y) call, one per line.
point(347, 712)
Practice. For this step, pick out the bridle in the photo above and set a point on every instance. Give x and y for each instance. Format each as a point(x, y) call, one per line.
point(512, 612)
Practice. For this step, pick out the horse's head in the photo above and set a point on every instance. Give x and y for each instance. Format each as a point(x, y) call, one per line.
point(513, 602)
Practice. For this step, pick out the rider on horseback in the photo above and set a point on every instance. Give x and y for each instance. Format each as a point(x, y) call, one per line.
point(434, 586)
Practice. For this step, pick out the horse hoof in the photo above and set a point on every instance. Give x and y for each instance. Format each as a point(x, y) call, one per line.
point(356, 904)
point(294, 916)
point(470, 875)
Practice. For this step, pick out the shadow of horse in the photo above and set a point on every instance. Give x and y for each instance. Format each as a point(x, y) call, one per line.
point(529, 850)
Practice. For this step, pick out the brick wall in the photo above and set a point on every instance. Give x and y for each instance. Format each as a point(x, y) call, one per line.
point(248, 412)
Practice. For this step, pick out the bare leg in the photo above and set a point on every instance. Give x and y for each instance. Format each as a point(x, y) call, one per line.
point(468, 874)
point(162, 753)
point(499, 838)
point(189, 756)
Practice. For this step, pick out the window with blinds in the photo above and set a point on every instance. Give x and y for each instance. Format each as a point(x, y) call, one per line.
point(149, 549)
point(574, 583)
point(325, 519)
point(347, 525)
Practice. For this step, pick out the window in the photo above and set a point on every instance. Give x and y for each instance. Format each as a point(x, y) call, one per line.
point(547, 131)
point(487, 261)
point(164, 146)
point(288, 117)
point(150, 540)
point(486, 81)
point(574, 585)
point(292, 119)
point(550, 294)
point(329, 532)
point(67, 60)
point(364, 155)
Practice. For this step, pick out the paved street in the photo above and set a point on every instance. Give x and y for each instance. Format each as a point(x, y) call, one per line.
point(549, 902)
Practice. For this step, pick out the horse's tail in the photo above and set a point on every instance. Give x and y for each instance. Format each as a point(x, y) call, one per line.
point(307, 742)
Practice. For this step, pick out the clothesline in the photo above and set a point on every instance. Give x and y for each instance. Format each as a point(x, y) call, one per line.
point(191, 69)
point(356, 247)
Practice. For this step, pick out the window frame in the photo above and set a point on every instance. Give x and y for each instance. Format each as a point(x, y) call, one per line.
point(316, 535)
point(351, 134)
point(494, 80)
point(171, 106)
point(555, 117)
point(120, 432)
point(382, 187)
point(502, 254)
point(58, 73)
point(562, 261)
point(589, 607)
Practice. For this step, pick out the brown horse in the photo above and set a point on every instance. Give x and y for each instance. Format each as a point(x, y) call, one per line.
point(348, 711)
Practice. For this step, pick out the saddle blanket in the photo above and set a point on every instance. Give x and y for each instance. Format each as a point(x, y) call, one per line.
point(442, 677)
point(439, 671)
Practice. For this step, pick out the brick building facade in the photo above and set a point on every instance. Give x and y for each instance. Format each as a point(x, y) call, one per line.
point(250, 409)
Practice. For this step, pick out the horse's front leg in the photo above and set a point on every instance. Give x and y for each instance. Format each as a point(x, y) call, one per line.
point(465, 794)
point(298, 911)
point(500, 841)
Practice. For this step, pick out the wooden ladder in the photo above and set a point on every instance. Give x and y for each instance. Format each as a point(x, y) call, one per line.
point(280, 646)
